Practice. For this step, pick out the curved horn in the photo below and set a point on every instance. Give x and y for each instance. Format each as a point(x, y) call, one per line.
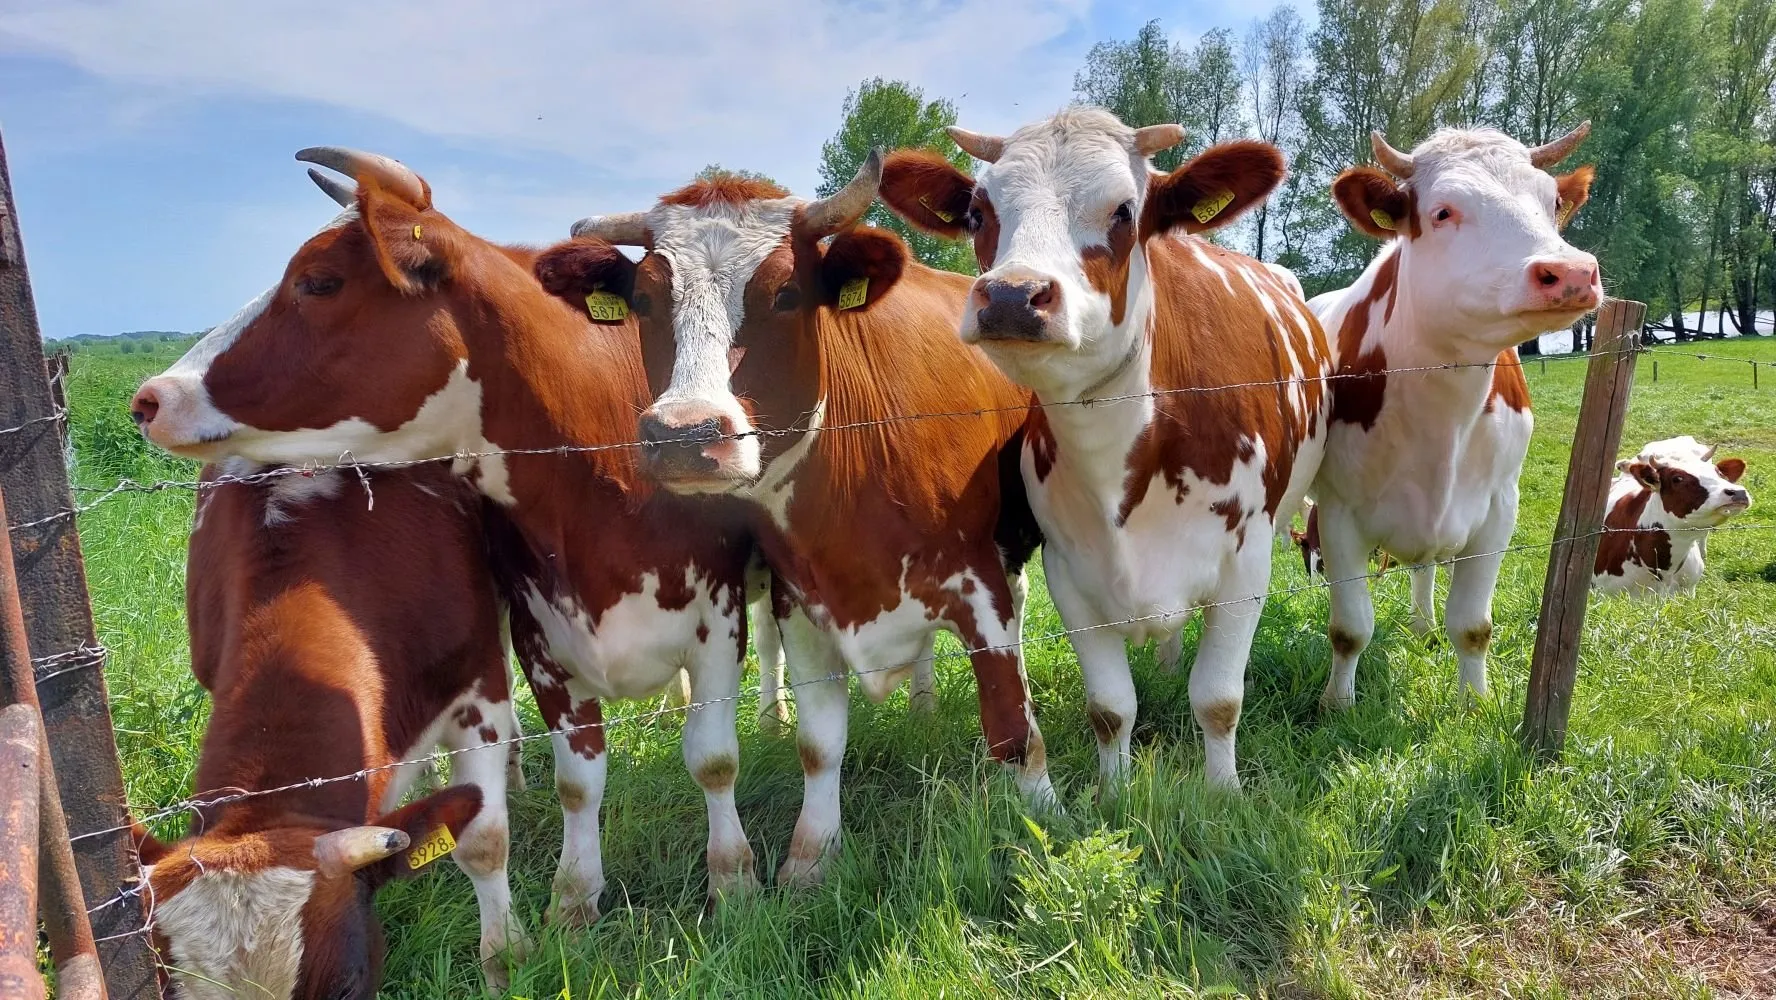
point(392, 174)
point(348, 850)
point(985, 148)
point(842, 208)
point(623, 229)
point(1157, 138)
point(1392, 160)
point(1550, 153)
point(339, 191)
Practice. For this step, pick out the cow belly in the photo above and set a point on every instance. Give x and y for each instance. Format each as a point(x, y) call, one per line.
point(639, 643)
point(882, 650)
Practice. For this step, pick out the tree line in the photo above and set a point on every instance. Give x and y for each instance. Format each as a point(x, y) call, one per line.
point(1681, 94)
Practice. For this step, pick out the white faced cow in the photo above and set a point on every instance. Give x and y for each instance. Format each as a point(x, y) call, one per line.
point(1661, 508)
point(1424, 464)
point(1183, 404)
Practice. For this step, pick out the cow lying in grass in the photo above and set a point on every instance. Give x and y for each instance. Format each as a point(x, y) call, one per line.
point(1661, 508)
point(333, 638)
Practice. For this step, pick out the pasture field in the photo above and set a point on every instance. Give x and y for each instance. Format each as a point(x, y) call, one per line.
point(1404, 849)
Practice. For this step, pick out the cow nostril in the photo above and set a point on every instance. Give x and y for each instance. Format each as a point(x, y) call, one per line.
point(1044, 296)
point(145, 407)
point(1546, 277)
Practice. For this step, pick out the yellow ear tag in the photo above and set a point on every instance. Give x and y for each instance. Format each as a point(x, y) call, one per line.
point(435, 845)
point(1563, 212)
point(853, 293)
point(1381, 218)
point(940, 213)
point(1211, 206)
point(416, 231)
point(606, 307)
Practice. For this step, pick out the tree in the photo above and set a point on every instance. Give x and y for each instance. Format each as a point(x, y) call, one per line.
point(1148, 80)
point(890, 114)
point(716, 171)
point(1274, 78)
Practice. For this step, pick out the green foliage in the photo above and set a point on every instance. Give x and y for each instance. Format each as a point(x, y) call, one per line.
point(1148, 80)
point(1093, 888)
point(716, 171)
point(889, 115)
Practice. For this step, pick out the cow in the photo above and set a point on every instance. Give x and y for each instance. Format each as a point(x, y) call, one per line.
point(784, 371)
point(1661, 508)
point(1180, 399)
point(333, 639)
point(1307, 542)
point(395, 335)
point(1430, 410)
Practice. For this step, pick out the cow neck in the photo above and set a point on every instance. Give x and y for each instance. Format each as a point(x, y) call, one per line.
point(1409, 327)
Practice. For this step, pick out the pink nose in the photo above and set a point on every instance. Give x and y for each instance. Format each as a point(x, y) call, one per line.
point(1565, 283)
point(145, 406)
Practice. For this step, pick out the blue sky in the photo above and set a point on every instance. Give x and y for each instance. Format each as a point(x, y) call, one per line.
point(150, 142)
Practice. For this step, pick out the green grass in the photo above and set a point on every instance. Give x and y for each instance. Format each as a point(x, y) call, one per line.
point(1405, 848)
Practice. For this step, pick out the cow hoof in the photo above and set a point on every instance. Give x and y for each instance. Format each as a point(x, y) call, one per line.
point(801, 873)
point(498, 957)
point(735, 886)
point(575, 915)
point(1334, 701)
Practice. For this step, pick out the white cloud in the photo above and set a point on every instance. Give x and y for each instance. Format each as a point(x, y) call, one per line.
point(641, 91)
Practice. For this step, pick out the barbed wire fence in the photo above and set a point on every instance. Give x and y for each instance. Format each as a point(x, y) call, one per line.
point(86, 656)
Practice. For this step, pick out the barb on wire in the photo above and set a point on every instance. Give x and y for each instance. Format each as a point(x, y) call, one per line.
point(347, 462)
point(195, 803)
point(82, 657)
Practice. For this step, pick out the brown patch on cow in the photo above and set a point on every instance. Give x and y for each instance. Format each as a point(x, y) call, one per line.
point(702, 632)
point(484, 853)
point(1043, 446)
point(571, 793)
point(716, 775)
point(1681, 493)
point(1228, 509)
point(919, 184)
point(467, 717)
point(1105, 723)
point(1625, 541)
point(1004, 704)
point(725, 189)
point(1361, 380)
point(1107, 267)
point(488, 734)
point(813, 761)
point(1475, 640)
point(1343, 643)
point(986, 232)
point(1508, 384)
point(1220, 718)
point(1243, 171)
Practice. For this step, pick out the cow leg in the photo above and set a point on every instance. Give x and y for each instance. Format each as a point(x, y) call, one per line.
point(822, 715)
point(1467, 615)
point(1103, 665)
point(712, 753)
point(481, 851)
point(577, 733)
point(773, 702)
point(1218, 677)
point(1007, 719)
point(923, 698)
point(1170, 652)
point(1424, 597)
point(1352, 622)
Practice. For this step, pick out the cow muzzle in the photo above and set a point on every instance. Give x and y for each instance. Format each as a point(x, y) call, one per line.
point(175, 413)
point(1015, 306)
point(692, 447)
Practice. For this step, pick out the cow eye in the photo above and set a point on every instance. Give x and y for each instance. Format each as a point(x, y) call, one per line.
point(789, 298)
point(1125, 212)
point(975, 219)
point(319, 285)
point(1442, 215)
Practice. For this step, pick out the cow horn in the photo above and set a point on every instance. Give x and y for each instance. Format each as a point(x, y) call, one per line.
point(628, 229)
point(985, 148)
point(392, 174)
point(1392, 160)
point(339, 191)
point(1550, 153)
point(844, 207)
point(1708, 453)
point(1157, 138)
point(345, 851)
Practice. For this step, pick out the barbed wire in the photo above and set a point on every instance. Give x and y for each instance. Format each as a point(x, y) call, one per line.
point(1675, 353)
point(199, 802)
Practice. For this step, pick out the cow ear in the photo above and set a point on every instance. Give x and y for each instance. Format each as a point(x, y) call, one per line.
point(409, 243)
point(1730, 468)
point(449, 811)
point(927, 191)
point(1575, 190)
point(860, 266)
point(1212, 189)
point(585, 272)
point(1645, 473)
point(1372, 202)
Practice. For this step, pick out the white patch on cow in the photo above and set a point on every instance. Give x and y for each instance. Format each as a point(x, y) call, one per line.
point(638, 647)
point(289, 492)
point(776, 487)
point(237, 934)
point(714, 251)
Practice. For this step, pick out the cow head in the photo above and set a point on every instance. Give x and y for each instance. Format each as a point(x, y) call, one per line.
point(1694, 490)
point(358, 348)
point(1478, 218)
point(731, 295)
point(284, 911)
point(1058, 217)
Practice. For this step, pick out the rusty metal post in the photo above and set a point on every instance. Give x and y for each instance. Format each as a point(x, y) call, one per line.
point(21, 751)
point(58, 618)
point(1555, 666)
point(62, 903)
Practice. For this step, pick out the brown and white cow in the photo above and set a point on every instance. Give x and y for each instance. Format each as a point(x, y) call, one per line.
point(1424, 464)
point(782, 369)
point(333, 639)
point(1183, 411)
point(1661, 508)
point(395, 335)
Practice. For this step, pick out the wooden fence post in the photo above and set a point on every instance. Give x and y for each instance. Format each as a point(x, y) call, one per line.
point(21, 753)
point(58, 619)
point(1608, 381)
